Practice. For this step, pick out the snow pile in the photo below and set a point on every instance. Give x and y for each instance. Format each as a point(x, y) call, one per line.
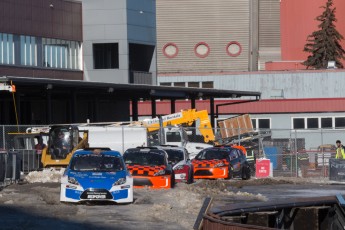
point(179, 206)
point(45, 176)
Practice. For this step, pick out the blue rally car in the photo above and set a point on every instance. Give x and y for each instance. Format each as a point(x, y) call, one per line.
point(96, 175)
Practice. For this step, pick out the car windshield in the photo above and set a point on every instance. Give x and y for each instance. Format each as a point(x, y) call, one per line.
point(97, 162)
point(174, 155)
point(212, 154)
point(143, 158)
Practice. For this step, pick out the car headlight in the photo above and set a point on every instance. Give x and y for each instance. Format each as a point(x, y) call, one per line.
point(221, 164)
point(72, 180)
point(179, 167)
point(120, 181)
point(160, 172)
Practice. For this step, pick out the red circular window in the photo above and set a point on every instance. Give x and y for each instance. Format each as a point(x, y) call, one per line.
point(233, 49)
point(170, 50)
point(201, 49)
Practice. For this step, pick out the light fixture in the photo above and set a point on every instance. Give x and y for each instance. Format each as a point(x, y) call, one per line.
point(51, 5)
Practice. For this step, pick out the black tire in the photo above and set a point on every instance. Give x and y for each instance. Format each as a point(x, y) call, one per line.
point(172, 184)
point(191, 177)
point(246, 173)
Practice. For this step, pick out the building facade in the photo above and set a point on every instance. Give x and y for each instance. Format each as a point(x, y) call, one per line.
point(119, 41)
point(41, 39)
point(204, 36)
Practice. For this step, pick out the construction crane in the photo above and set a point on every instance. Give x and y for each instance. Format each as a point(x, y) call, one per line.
point(184, 118)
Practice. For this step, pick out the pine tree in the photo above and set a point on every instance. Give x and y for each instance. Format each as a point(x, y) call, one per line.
point(324, 44)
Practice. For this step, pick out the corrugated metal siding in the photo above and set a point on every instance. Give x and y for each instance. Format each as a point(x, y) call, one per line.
point(269, 32)
point(269, 23)
point(189, 22)
point(319, 105)
point(293, 84)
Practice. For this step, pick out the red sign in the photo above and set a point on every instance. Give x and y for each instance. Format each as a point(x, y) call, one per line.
point(262, 168)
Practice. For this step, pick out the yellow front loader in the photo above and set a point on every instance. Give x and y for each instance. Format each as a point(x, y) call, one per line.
point(63, 141)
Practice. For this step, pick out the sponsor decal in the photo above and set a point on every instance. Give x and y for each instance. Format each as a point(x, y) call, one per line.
point(96, 196)
point(164, 118)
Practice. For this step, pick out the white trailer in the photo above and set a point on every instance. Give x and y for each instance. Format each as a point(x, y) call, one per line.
point(116, 138)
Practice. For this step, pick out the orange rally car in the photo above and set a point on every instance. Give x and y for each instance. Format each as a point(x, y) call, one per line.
point(212, 163)
point(149, 167)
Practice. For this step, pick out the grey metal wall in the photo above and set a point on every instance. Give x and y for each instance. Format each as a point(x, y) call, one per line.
point(188, 22)
point(105, 22)
point(269, 32)
point(292, 84)
point(119, 22)
point(281, 128)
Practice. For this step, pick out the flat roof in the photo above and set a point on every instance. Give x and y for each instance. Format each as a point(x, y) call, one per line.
point(132, 91)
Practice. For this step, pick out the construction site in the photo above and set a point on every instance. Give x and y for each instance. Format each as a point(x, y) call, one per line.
point(297, 186)
point(192, 114)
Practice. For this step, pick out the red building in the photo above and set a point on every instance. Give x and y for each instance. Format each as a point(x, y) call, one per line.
point(297, 22)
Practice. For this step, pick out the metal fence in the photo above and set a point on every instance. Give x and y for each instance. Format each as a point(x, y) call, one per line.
point(293, 153)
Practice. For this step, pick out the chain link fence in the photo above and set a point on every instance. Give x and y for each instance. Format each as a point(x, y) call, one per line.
point(293, 153)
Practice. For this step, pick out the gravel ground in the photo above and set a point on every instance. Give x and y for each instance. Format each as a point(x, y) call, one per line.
point(37, 206)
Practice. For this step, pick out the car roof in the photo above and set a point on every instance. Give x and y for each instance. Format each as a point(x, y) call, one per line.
point(148, 150)
point(170, 147)
point(226, 148)
point(95, 151)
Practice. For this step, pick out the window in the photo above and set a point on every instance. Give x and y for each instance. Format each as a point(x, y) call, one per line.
point(28, 51)
point(106, 56)
point(312, 123)
point(180, 84)
point(193, 84)
point(264, 123)
point(254, 123)
point(261, 123)
point(165, 83)
point(326, 122)
point(207, 84)
point(61, 54)
point(339, 122)
point(6, 49)
point(298, 123)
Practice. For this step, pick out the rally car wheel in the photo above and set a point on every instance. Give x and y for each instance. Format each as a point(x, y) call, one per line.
point(246, 172)
point(172, 184)
point(190, 177)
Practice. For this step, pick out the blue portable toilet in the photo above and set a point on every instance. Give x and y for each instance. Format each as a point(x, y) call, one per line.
point(273, 153)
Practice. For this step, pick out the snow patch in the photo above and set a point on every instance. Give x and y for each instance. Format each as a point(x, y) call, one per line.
point(45, 176)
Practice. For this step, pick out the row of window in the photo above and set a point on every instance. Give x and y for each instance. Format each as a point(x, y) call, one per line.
point(304, 123)
point(194, 84)
point(318, 122)
point(202, 49)
point(39, 52)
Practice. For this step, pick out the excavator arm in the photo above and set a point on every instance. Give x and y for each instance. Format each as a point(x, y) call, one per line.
point(187, 118)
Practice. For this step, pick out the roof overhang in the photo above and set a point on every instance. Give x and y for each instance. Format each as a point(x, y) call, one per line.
point(131, 91)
